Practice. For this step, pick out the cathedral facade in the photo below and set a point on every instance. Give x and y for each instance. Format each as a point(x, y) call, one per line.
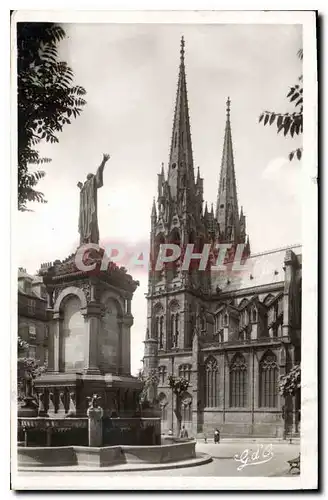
point(229, 332)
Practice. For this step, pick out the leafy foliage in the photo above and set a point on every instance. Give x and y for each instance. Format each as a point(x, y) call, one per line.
point(290, 383)
point(289, 123)
point(28, 369)
point(178, 384)
point(46, 101)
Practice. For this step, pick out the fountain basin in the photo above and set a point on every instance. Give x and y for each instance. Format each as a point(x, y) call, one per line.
point(63, 456)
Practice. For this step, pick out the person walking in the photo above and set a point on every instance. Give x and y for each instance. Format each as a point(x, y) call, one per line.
point(216, 436)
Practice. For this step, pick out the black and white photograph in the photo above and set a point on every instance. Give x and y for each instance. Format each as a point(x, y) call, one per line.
point(164, 250)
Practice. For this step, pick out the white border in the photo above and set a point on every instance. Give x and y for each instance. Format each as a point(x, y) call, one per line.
point(308, 478)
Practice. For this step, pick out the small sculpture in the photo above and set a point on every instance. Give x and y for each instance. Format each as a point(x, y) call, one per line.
point(93, 401)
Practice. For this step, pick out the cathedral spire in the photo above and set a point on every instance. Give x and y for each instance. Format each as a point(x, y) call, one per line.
point(180, 172)
point(227, 203)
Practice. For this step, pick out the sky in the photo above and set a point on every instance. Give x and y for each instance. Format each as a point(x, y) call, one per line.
point(130, 73)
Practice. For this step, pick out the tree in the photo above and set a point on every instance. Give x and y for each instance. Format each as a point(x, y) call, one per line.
point(289, 123)
point(46, 101)
point(28, 369)
point(179, 385)
point(289, 387)
point(290, 382)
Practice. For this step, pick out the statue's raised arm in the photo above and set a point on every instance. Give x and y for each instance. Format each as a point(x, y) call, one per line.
point(100, 171)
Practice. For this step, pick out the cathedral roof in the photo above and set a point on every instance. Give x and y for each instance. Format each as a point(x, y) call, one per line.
point(260, 269)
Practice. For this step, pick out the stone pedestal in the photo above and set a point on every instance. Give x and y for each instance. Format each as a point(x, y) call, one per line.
point(95, 426)
point(89, 339)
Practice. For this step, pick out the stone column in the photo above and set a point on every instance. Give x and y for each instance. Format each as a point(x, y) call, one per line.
point(95, 426)
point(92, 325)
point(54, 343)
point(125, 361)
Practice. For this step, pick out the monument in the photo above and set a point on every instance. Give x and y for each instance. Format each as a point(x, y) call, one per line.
point(90, 321)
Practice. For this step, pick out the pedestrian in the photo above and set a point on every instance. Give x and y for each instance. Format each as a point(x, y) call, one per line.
point(183, 432)
point(216, 436)
point(205, 438)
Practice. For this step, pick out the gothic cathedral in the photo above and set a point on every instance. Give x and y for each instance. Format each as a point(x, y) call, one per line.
point(230, 333)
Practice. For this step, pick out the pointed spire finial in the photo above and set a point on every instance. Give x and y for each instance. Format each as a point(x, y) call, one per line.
point(182, 48)
point(198, 174)
point(153, 210)
point(162, 169)
point(228, 107)
point(212, 209)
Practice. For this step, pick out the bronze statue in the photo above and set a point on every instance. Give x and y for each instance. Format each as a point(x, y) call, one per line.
point(88, 220)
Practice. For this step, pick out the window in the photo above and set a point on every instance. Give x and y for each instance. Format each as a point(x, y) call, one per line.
point(161, 333)
point(175, 139)
point(46, 356)
point(32, 331)
point(31, 306)
point(46, 332)
point(244, 318)
point(211, 379)
point(32, 351)
point(268, 381)
point(226, 319)
point(238, 382)
point(254, 316)
point(27, 287)
point(162, 374)
point(175, 330)
point(218, 322)
point(185, 371)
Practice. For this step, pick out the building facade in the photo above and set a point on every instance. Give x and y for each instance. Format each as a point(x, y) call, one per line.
point(230, 332)
point(33, 326)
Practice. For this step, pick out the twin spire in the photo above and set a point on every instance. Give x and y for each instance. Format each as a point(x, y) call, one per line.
point(231, 226)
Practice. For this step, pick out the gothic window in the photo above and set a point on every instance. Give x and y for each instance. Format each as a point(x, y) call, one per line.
point(182, 137)
point(177, 318)
point(161, 333)
point(185, 371)
point(268, 381)
point(220, 337)
point(186, 409)
point(226, 319)
point(244, 317)
point(254, 315)
point(238, 382)
point(218, 322)
point(162, 399)
point(211, 382)
point(280, 307)
point(174, 330)
point(162, 374)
